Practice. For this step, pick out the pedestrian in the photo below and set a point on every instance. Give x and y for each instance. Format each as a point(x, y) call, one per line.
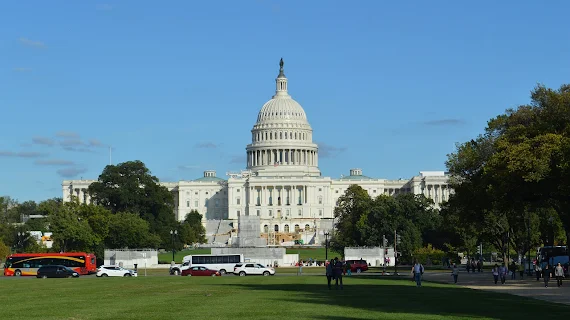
point(337, 270)
point(503, 273)
point(479, 264)
point(455, 272)
point(546, 273)
point(537, 270)
point(559, 274)
point(496, 273)
point(418, 271)
point(467, 266)
point(329, 272)
point(513, 271)
point(348, 268)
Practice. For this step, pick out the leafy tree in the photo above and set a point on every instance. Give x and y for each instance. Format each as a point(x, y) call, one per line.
point(351, 208)
point(71, 232)
point(191, 230)
point(4, 251)
point(533, 152)
point(128, 230)
point(130, 187)
point(37, 224)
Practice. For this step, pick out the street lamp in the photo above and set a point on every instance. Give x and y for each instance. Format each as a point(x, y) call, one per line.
point(20, 236)
point(326, 246)
point(173, 233)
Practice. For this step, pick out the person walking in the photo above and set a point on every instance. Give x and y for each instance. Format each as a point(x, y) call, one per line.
point(537, 270)
point(559, 274)
point(329, 272)
point(513, 271)
point(496, 271)
point(418, 271)
point(337, 271)
point(546, 272)
point(455, 272)
point(503, 273)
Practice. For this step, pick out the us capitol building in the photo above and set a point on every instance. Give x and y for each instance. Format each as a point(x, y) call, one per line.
point(282, 184)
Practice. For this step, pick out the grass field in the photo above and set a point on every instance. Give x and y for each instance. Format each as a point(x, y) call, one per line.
point(279, 297)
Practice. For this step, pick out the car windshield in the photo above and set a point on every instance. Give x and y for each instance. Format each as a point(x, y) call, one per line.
point(69, 269)
point(8, 263)
point(260, 266)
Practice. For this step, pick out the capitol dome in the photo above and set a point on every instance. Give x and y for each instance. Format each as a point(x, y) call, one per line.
point(282, 138)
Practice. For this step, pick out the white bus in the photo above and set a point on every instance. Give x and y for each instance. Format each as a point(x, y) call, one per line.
point(222, 262)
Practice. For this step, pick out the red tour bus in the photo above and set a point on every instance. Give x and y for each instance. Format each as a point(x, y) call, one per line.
point(27, 264)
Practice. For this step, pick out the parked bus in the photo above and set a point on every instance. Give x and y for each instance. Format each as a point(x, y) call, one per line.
point(221, 262)
point(27, 264)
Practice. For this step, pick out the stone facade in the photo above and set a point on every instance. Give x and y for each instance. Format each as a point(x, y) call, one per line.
point(282, 183)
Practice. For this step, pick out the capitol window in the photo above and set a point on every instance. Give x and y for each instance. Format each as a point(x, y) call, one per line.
point(307, 227)
point(257, 212)
point(286, 229)
point(265, 228)
point(297, 228)
point(187, 203)
point(270, 213)
point(320, 200)
point(196, 203)
point(320, 212)
point(237, 200)
point(300, 213)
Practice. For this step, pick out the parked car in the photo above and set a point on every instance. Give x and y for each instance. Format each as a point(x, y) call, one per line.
point(115, 271)
point(243, 269)
point(357, 266)
point(56, 271)
point(200, 271)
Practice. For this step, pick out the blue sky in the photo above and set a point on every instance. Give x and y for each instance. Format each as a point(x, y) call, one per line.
point(388, 87)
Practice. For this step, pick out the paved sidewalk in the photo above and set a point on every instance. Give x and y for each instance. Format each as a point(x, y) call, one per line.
point(528, 287)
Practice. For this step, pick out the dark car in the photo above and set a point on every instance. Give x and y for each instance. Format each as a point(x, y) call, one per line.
point(56, 271)
point(357, 266)
point(200, 271)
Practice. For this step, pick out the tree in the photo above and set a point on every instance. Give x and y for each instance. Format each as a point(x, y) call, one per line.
point(128, 230)
point(4, 251)
point(191, 229)
point(70, 231)
point(130, 187)
point(351, 209)
point(533, 153)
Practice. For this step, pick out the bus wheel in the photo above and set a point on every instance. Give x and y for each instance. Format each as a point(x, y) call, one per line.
point(223, 271)
point(17, 273)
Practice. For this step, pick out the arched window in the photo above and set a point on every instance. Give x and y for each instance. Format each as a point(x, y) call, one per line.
point(286, 228)
point(280, 135)
point(265, 228)
point(320, 200)
point(276, 228)
point(307, 227)
point(297, 228)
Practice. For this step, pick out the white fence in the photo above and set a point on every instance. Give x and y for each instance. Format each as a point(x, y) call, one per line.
point(129, 257)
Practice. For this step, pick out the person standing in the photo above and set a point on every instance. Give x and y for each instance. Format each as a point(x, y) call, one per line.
point(337, 272)
point(418, 271)
point(329, 272)
point(546, 272)
point(348, 268)
point(455, 272)
point(537, 270)
point(503, 273)
point(496, 273)
point(559, 274)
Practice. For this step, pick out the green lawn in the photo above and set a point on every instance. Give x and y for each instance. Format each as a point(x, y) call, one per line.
point(279, 297)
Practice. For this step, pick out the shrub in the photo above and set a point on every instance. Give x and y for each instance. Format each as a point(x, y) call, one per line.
point(434, 255)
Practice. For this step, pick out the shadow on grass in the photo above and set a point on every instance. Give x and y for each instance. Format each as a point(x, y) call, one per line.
point(402, 296)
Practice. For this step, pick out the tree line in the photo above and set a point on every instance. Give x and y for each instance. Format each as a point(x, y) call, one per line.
point(130, 209)
point(511, 191)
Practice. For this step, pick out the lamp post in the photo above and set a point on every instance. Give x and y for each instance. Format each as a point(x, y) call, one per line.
point(20, 242)
point(326, 247)
point(173, 233)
